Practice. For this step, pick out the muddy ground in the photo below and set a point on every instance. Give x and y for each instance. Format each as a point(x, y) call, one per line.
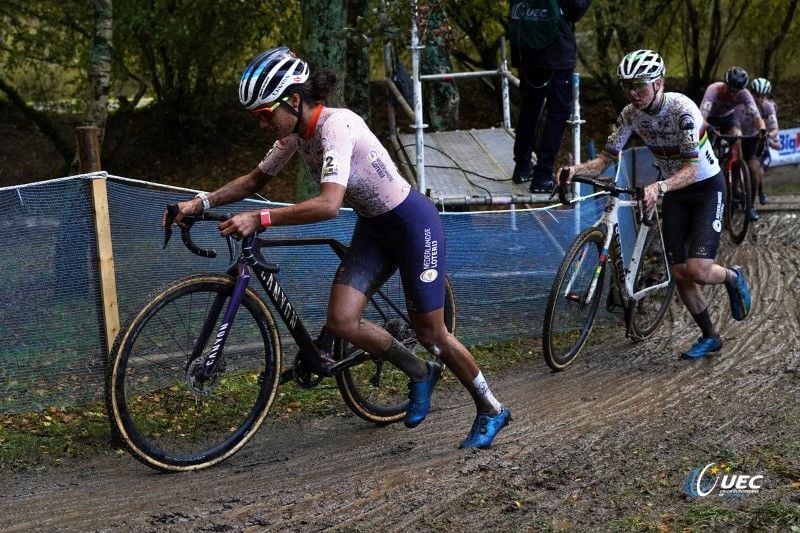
point(608, 443)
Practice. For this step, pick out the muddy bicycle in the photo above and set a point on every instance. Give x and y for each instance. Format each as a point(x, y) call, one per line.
point(643, 286)
point(193, 374)
point(738, 182)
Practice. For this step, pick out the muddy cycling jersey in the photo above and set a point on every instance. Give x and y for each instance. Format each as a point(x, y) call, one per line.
point(674, 134)
point(718, 102)
point(342, 149)
point(768, 112)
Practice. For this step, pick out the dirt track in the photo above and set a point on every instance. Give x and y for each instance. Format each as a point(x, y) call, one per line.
point(613, 436)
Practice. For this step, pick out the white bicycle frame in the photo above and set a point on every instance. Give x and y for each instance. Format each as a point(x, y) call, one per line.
point(610, 220)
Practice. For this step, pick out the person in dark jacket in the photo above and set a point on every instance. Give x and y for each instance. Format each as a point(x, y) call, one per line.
point(545, 81)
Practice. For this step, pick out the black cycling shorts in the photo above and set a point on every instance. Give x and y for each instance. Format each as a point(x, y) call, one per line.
point(409, 237)
point(692, 220)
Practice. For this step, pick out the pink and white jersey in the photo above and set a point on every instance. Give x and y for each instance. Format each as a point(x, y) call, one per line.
point(766, 110)
point(675, 135)
point(343, 150)
point(718, 102)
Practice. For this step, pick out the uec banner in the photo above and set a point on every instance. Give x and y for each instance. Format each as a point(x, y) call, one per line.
point(789, 151)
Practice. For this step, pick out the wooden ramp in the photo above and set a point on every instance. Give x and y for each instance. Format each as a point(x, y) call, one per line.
point(471, 167)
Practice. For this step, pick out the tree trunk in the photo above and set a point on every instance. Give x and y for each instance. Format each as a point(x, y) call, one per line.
point(441, 97)
point(322, 47)
point(320, 41)
point(100, 64)
point(772, 46)
point(357, 60)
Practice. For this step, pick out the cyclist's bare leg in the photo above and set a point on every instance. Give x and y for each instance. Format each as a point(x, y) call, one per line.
point(432, 333)
point(345, 308)
point(690, 276)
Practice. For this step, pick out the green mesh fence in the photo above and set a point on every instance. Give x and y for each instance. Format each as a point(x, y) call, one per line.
point(501, 265)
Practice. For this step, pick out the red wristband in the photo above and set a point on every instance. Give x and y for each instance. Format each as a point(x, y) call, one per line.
point(265, 218)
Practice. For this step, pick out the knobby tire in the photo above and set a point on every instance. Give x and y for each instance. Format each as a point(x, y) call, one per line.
point(155, 412)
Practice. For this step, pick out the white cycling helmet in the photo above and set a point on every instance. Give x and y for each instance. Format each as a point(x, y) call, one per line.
point(641, 65)
point(761, 86)
point(268, 76)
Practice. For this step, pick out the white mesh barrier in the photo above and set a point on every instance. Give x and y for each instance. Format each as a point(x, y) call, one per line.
point(501, 265)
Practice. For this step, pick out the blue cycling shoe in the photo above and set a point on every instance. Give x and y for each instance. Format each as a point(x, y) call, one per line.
point(703, 347)
point(419, 395)
point(739, 295)
point(752, 214)
point(485, 429)
point(762, 198)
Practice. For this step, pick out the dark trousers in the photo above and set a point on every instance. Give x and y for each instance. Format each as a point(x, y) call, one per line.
point(540, 88)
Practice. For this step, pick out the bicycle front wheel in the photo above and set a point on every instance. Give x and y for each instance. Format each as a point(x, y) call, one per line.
point(159, 411)
point(739, 201)
point(648, 312)
point(572, 304)
point(375, 390)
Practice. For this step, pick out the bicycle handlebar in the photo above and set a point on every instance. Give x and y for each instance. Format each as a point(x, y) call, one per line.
point(609, 187)
point(186, 225)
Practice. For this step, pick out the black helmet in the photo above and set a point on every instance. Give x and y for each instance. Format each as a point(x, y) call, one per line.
point(736, 78)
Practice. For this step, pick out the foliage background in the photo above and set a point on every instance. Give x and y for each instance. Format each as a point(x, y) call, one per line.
point(173, 65)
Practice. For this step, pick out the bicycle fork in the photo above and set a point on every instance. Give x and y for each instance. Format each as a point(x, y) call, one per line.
point(568, 294)
point(213, 360)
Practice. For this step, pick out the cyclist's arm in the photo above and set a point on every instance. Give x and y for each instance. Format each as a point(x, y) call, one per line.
point(590, 169)
point(233, 191)
point(317, 209)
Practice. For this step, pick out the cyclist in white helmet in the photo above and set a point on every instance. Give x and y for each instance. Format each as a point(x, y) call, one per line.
point(692, 188)
point(398, 228)
point(762, 90)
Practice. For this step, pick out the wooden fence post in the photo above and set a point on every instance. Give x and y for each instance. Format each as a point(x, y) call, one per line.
point(89, 158)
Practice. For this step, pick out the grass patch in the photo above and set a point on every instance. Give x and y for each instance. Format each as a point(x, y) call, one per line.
point(51, 436)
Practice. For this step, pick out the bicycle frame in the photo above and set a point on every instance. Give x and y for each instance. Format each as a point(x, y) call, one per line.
point(624, 276)
point(249, 262)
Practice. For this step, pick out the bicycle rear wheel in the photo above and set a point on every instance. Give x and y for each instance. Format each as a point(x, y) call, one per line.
point(739, 201)
point(375, 390)
point(572, 304)
point(648, 312)
point(162, 415)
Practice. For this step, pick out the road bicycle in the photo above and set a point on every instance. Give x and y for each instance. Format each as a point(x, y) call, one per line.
point(193, 374)
point(643, 287)
point(740, 193)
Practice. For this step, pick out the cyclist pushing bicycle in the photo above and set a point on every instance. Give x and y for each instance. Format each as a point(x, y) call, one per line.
point(727, 106)
point(693, 191)
point(397, 228)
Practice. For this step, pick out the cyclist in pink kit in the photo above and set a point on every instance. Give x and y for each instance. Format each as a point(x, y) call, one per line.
point(725, 106)
point(397, 228)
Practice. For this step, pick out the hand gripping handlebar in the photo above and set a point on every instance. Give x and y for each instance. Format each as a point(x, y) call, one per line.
point(606, 186)
point(186, 225)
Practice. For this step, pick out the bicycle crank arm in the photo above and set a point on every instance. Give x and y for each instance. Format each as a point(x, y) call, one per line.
point(357, 358)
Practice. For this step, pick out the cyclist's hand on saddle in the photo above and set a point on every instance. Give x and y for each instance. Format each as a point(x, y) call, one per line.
point(241, 224)
point(650, 196)
point(187, 207)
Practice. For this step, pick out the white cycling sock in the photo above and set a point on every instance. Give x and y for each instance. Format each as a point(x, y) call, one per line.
point(483, 395)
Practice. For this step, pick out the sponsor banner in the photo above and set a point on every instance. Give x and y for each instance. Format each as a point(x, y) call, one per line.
point(789, 151)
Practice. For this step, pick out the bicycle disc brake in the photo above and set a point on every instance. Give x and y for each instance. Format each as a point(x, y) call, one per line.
point(303, 375)
point(205, 386)
point(402, 332)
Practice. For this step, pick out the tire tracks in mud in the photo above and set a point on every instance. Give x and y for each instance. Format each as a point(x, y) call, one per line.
point(625, 414)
